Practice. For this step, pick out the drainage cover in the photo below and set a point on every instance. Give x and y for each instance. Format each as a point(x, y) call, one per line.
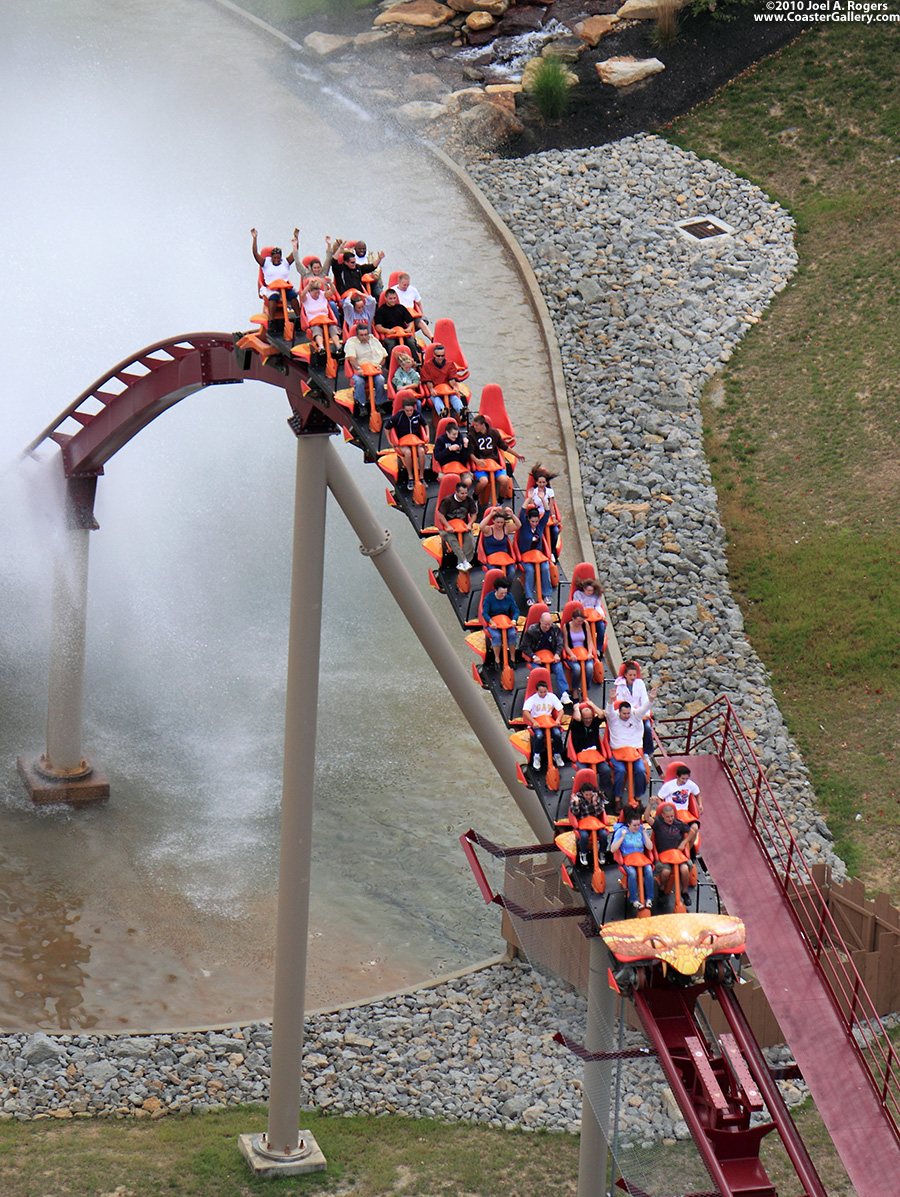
point(701, 228)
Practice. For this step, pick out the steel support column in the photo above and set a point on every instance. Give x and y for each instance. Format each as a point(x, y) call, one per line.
point(601, 1011)
point(376, 543)
point(282, 1150)
point(64, 773)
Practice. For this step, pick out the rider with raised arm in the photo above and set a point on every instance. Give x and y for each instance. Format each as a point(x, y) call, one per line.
point(626, 739)
point(275, 268)
point(348, 265)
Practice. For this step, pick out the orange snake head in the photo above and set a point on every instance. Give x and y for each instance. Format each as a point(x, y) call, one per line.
point(683, 941)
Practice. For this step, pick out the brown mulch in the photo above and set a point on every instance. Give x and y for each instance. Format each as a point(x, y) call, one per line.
point(708, 53)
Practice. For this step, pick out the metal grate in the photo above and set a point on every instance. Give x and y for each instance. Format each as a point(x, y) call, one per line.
point(702, 228)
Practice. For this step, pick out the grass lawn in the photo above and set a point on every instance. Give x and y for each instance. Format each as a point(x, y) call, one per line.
point(197, 1156)
point(803, 436)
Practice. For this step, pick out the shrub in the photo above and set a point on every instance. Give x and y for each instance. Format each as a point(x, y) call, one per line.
point(666, 31)
point(722, 10)
point(550, 88)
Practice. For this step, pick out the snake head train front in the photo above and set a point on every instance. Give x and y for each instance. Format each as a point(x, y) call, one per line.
point(681, 949)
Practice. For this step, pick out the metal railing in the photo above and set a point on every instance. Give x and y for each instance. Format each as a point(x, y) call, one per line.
point(716, 730)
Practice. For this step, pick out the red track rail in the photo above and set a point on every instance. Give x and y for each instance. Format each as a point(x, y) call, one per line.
point(719, 1093)
point(133, 393)
point(805, 967)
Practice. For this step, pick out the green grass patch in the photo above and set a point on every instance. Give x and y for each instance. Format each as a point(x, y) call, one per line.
point(803, 448)
point(197, 1156)
point(855, 633)
point(821, 1149)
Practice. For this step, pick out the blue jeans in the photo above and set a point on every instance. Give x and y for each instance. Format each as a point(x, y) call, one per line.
point(440, 407)
point(584, 842)
point(648, 738)
point(575, 670)
point(640, 778)
point(539, 740)
point(359, 389)
point(631, 874)
point(546, 587)
point(497, 639)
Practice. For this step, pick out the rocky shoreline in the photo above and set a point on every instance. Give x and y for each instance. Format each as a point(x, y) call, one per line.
point(478, 1048)
point(461, 73)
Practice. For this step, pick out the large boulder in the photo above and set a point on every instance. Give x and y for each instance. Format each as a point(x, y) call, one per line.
point(373, 37)
point(477, 21)
point(646, 10)
point(426, 13)
point(326, 44)
point(495, 7)
point(39, 1048)
point(566, 49)
point(422, 86)
point(415, 35)
point(420, 112)
point(487, 125)
point(621, 72)
point(591, 29)
point(503, 94)
point(465, 97)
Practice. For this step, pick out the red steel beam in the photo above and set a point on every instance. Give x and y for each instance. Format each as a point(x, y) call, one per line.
point(191, 362)
point(778, 1111)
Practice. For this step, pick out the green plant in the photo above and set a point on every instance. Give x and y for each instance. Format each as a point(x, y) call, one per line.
point(550, 88)
point(722, 10)
point(666, 30)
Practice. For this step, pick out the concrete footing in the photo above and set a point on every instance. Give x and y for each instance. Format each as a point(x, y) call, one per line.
point(307, 1158)
point(87, 785)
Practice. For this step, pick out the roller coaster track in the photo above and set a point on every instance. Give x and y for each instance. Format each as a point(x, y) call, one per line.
point(798, 954)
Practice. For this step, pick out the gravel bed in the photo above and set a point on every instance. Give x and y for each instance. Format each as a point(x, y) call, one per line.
point(478, 1048)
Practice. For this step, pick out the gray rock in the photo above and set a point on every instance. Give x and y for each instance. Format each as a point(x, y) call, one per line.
point(39, 1048)
point(488, 125)
point(100, 1073)
point(137, 1049)
point(419, 112)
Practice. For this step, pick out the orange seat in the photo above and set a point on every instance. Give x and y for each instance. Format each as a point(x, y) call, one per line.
point(494, 410)
point(445, 334)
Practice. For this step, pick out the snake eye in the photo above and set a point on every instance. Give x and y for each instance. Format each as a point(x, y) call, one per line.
point(654, 942)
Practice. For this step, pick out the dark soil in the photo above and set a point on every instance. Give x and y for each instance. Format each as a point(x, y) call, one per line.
point(708, 53)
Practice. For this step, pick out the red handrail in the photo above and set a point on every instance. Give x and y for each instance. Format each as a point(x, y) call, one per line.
point(717, 730)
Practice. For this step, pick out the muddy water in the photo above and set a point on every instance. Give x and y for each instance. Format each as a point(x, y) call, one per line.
point(159, 134)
